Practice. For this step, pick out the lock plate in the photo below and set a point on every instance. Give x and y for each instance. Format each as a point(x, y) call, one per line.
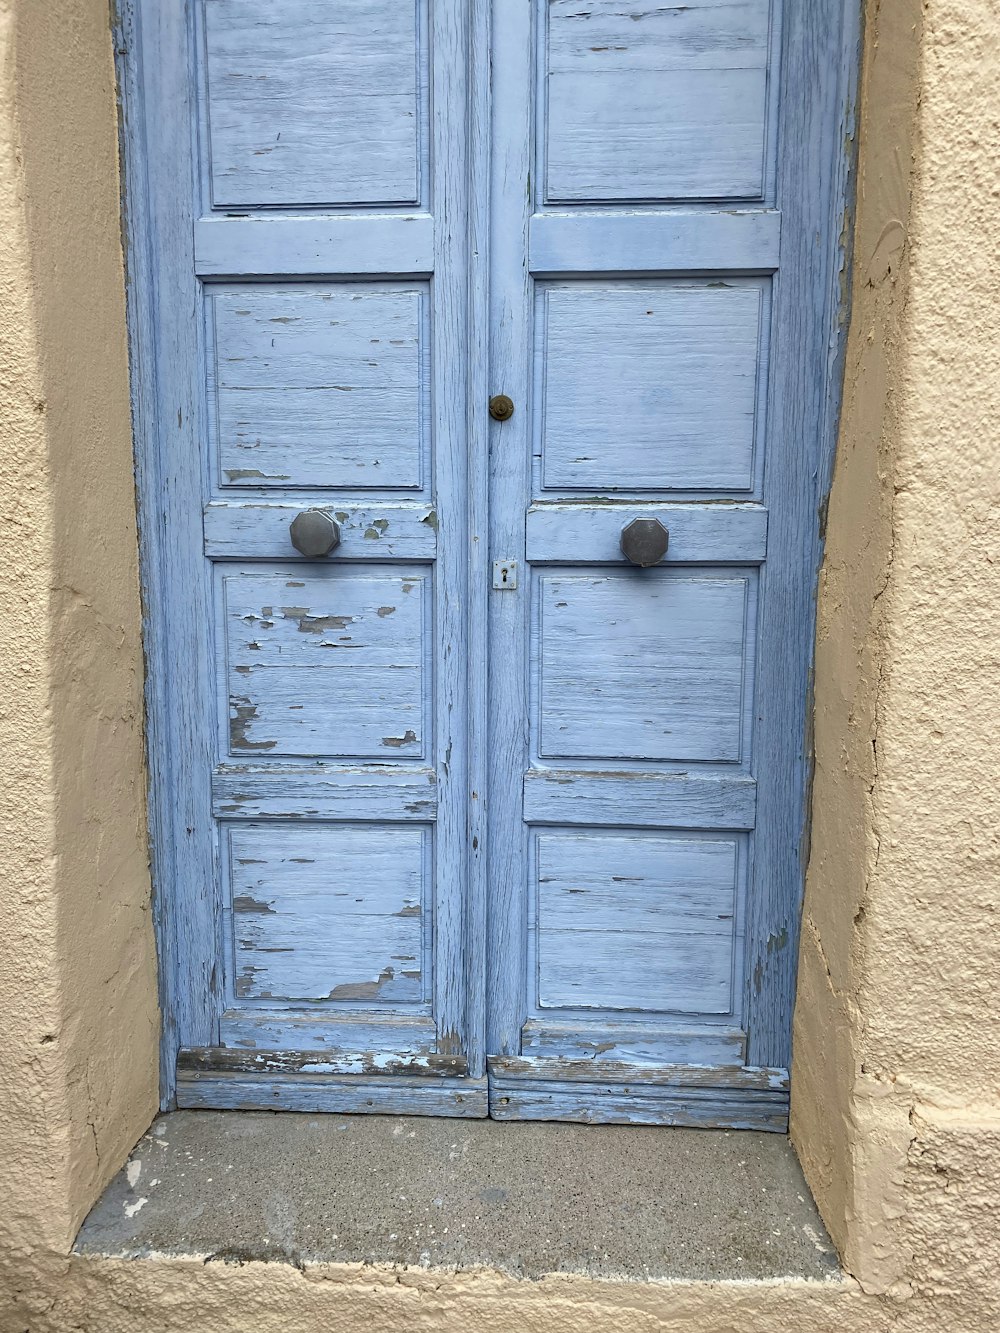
point(504, 575)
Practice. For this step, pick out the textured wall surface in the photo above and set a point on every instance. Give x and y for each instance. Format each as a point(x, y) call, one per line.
point(896, 1099)
point(896, 1103)
point(78, 1017)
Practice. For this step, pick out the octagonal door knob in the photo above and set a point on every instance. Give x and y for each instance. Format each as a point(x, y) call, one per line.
point(644, 541)
point(314, 533)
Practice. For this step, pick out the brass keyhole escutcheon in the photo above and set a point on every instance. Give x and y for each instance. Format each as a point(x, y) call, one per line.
point(501, 407)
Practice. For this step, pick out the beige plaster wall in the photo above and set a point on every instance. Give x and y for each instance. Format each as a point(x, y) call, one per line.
point(78, 1017)
point(895, 1096)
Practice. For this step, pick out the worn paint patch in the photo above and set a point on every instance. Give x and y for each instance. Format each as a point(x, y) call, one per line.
point(243, 715)
point(252, 906)
point(394, 742)
point(310, 624)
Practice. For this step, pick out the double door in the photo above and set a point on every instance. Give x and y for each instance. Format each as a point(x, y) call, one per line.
point(483, 361)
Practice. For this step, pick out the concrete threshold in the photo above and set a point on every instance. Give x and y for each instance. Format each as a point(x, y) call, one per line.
point(623, 1202)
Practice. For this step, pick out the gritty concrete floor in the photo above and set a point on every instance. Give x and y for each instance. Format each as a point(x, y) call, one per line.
point(529, 1199)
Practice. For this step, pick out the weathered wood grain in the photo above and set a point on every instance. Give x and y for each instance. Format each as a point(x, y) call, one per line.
point(706, 1078)
point(639, 799)
point(656, 102)
point(396, 1094)
point(643, 664)
point(607, 1092)
point(330, 912)
point(649, 386)
point(635, 922)
point(316, 104)
point(737, 240)
point(369, 533)
point(406, 1033)
point(280, 791)
point(298, 641)
point(153, 42)
point(214, 1059)
point(607, 1104)
point(275, 246)
point(320, 386)
point(590, 534)
point(820, 60)
point(613, 1037)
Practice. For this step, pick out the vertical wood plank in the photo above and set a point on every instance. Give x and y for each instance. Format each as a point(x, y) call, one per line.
point(819, 62)
point(477, 430)
point(449, 95)
point(509, 473)
point(169, 429)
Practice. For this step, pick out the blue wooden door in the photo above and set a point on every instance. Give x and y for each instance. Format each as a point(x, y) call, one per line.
point(479, 735)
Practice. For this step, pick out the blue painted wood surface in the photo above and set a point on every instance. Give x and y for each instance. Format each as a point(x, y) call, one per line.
point(655, 102)
point(311, 879)
point(398, 817)
point(315, 103)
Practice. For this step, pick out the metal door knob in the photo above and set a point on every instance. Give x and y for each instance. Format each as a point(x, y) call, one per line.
point(314, 533)
point(644, 541)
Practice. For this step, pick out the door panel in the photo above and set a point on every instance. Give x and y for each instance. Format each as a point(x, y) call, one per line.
point(334, 913)
point(321, 387)
point(642, 666)
point(624, 838)
point(641, 922)
point(654, 104)
point(649, 387)
point(322, 662)
point(322, 346)
point(316, 104)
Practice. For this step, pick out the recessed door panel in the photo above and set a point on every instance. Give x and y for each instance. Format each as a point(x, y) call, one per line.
point(639, 921)
point(324, 386)
point(650, 386)
point(328, 664)
point(655, 102)
point(642, 666)
point(315, 103)
point(331, 913)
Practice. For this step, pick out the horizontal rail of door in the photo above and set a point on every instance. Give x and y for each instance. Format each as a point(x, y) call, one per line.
point(731, 241)
point(573, 1037)
point(220, 1059)
point(270, 1028)
point(307, 793)
point(309, 244)
point(581, 533)
point(652, 800)
point(712, 1078)
point(596, 1092)
point(345, 1093)
point(259, 530)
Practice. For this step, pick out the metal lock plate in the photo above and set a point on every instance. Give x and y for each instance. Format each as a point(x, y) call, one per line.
point(504, 575)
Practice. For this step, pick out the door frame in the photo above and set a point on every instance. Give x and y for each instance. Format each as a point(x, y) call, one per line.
point(169, 509)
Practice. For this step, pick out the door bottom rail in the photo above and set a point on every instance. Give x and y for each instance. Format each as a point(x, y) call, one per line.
point(612, 1093)
point(516, 1088)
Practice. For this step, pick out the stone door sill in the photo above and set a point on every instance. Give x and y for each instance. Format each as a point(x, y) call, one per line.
point(609, 1201)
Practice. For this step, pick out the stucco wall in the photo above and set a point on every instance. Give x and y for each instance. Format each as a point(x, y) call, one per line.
point(78, 1016)
point(896, 1097)
point(896, 1113)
